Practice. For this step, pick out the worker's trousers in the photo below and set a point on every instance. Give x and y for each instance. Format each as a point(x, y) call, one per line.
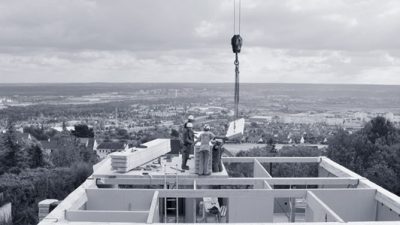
point(203, 166)
point(216, 160)
point(185, 154)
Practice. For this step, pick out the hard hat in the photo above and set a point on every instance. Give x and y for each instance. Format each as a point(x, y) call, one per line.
point(191, 117)
point(189, 125)
point(206, 127)
point(218, 140)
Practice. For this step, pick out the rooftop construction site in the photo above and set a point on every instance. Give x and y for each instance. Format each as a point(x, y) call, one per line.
point(159, 183)
point(123, 189)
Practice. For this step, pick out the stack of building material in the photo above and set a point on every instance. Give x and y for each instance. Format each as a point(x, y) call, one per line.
point(130, 159)
point(235, 129)
point(45, 207)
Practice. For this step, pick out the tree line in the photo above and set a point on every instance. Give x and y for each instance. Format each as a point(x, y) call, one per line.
point(28, 174)
point(372, 152)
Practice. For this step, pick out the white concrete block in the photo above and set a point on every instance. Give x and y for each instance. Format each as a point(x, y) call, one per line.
point(235, 129)
point(128, 160)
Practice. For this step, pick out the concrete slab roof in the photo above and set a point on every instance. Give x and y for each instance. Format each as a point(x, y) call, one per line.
point(344, 196)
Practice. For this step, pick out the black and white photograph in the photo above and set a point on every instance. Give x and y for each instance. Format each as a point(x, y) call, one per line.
point(199, 111)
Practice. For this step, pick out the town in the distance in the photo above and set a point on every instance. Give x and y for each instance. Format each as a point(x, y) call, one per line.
point(113, 117)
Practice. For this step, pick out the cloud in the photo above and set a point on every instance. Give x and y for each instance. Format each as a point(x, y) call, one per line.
point(188, 41)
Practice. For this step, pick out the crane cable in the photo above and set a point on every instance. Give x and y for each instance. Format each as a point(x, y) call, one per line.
point(236, 42)
point(239, 16)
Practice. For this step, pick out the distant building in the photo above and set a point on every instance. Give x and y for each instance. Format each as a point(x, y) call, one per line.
point(87, 142)
point(105, 148)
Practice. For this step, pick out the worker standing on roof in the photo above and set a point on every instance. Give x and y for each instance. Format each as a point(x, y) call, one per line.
point(188, 144)
point(186, 150)
point(205, 150)
point(216, 155)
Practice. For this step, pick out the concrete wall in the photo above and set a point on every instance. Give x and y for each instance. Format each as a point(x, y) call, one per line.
point(190, 210)
point(322, 172)
point(5, 212)
point(318, 211)
point(251, 209)
point(260, 171)
point(119, 200)
point(350, 204)
point(156, 218)
point(107, 216)
point(281, 205)
point(385, 214)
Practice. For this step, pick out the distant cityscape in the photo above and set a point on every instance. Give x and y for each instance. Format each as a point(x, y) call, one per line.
point(131, 114)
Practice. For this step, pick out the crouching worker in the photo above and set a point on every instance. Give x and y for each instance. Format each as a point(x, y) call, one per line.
point(205, 150)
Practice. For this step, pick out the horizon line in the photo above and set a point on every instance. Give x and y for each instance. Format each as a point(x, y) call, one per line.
point(122, 82)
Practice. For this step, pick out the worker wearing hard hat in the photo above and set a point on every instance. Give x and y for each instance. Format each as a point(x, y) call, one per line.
point(205, 150)
point(188, 144)
point(190, 120)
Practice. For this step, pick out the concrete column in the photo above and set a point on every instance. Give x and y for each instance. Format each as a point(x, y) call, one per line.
point(190, 210)
point(292, 210)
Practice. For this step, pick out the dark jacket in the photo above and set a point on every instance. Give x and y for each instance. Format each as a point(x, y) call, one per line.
point(188, 136)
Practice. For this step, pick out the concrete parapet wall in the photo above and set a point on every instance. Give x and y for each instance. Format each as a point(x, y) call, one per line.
point(119, 200)
point(350, 204)
point(5, 213)
point(107, 216)
point(318, 211)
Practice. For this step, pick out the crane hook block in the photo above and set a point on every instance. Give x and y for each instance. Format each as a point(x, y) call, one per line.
point(236, 42)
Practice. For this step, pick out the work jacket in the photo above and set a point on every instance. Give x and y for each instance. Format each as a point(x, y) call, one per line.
point(205, 139)
point(188, 136)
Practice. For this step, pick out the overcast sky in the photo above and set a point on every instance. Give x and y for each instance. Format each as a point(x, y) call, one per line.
point(303, 41)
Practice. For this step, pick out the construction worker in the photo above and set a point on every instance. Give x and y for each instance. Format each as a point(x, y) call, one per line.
point(188, 144)
point(216, 155)
point(190, 120)
point(205, 150)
